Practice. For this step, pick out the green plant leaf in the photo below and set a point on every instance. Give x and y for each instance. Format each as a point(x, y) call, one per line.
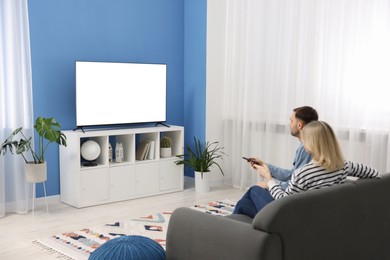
point(47, 128)
point(202, 157)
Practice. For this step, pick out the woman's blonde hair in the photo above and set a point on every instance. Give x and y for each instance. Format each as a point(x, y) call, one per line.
point(321, 142)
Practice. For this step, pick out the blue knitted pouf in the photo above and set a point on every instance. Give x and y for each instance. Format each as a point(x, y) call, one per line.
point(129, 247)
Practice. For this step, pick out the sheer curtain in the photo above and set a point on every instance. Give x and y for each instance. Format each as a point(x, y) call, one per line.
point(16, 99)
point(276, 55)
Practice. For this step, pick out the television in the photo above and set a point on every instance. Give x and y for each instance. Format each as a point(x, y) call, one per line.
point(114, 93)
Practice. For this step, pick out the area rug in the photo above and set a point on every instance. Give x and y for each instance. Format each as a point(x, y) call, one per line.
point(79, 244)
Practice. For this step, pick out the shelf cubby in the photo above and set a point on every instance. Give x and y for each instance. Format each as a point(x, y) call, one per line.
point(102, 159)
point(176, 137)
point(127, 141)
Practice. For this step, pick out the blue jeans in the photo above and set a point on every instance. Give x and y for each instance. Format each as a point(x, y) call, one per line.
point(253, 201)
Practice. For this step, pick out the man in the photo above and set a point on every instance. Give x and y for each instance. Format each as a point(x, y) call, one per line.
point(300, 117)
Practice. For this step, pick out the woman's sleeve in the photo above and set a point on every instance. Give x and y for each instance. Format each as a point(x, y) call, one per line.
point(362, 171)
point(276, 190)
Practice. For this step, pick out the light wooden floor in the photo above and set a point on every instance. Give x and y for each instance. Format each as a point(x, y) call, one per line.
point(17, 231)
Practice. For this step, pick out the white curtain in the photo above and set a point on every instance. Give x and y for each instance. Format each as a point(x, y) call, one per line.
point(333, 55)
point(15, 99)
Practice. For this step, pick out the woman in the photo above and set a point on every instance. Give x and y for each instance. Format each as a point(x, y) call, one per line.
point(327, 168)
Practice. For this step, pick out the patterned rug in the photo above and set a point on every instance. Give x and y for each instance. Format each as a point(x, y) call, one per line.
point(79, 244)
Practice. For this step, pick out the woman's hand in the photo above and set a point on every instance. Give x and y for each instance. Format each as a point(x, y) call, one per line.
point(263, 171)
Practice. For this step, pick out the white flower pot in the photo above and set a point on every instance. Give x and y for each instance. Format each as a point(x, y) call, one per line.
point(165, 152)
point(202, 185)
point(35, 173)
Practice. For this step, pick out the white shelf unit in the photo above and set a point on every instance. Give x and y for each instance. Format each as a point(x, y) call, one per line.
point(107, 182)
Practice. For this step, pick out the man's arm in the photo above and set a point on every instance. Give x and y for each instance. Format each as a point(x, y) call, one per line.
point(301, 158)
point(280, 173)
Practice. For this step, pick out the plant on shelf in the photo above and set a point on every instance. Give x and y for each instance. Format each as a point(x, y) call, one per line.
point(165, 147)
point(203, 157)
point(165, 142)
point(48, 130)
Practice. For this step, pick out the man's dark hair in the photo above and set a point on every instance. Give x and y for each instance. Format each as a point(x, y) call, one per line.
point(306, 114)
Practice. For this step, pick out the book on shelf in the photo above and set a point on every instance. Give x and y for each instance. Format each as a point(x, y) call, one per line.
point(146, 150)
point(151, 150)
point(141, 150)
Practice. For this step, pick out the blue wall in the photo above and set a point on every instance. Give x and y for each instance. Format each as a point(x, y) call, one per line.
point(155, 31)
point(195, 72)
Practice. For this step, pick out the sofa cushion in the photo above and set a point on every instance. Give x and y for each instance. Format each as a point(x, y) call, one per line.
point(241, 218)
point(375, 198)
point(327, 218)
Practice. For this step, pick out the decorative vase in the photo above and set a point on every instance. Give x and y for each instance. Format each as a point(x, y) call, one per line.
point(35, 172)
point(202, 185)
point(165, 152)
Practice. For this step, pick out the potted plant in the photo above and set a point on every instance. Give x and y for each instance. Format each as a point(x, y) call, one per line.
point(48, 130)
point(201, 159)
point(165, 147)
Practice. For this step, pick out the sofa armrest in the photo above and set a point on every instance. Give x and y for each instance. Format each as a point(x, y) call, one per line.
point(197, 235)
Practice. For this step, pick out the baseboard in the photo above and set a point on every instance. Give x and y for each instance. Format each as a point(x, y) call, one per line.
point(217, 182)
point(50, 199)
point(189, 182)
point(39, 202)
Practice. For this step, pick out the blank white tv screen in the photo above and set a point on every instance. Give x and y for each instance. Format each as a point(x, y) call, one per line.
point(109, 93)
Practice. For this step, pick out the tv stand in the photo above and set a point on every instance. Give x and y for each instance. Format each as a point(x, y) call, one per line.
point(106, 181)
point(161, 123)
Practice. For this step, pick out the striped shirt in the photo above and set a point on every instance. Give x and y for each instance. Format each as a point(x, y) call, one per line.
point(313, 176)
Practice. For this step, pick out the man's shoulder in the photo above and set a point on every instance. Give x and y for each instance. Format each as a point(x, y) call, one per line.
point(301, 157)
point(301, 148)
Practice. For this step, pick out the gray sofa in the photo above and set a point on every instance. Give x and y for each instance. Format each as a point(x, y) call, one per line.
point(347, 221)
